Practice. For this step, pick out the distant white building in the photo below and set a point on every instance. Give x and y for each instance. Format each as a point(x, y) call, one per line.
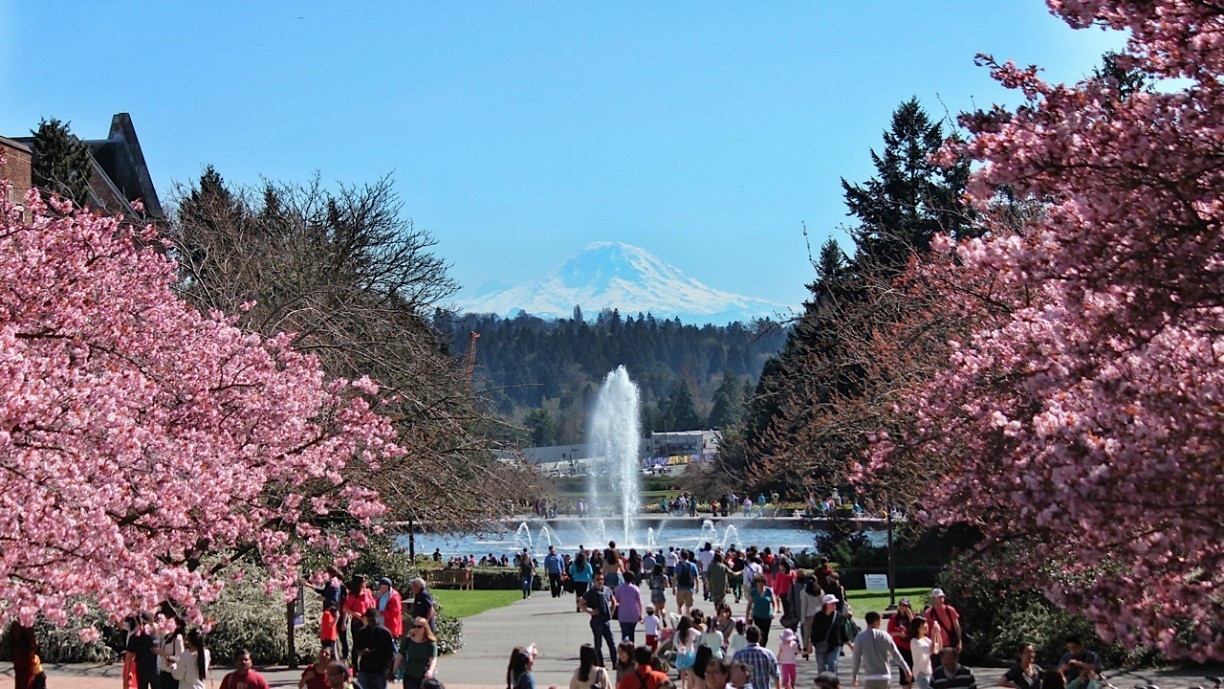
point(673, 448)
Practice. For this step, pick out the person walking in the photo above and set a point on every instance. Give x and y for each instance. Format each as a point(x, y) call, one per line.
point(418, 654)
point(190, 668)
point(872, 649)
point(589, 674)
point(526, 573)
point(923, 648)
point(629, 607)
point(554, 567)
point(598, 602)
point(828, 635)
point(762, 604)
point(375, 650)
point(761, 660)
point(717, 576)
point(581, 573)
point(244, 676)
point(423, 603)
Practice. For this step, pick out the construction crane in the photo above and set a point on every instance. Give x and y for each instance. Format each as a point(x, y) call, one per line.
point(469, 357)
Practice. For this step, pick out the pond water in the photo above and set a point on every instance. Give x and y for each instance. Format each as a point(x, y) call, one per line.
point(568, 534)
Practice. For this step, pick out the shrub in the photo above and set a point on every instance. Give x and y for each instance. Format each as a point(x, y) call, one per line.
point(501, 579)
point(999, 616)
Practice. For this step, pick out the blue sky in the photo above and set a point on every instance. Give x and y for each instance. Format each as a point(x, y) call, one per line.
point(517, 132)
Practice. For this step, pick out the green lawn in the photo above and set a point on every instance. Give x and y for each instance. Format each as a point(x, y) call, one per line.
point(457, 603)
point(863, 601)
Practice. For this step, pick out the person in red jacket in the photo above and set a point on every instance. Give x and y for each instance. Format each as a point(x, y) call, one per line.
point(391, 605)
point(899, 628)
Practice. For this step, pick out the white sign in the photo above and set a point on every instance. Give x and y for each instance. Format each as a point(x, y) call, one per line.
point(877, 582)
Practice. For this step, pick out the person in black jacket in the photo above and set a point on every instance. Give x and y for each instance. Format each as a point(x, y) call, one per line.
point(828, 634)
point(374, 647)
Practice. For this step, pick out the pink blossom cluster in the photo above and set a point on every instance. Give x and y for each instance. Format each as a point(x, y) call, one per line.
point(1086, 425)
point(141, 441)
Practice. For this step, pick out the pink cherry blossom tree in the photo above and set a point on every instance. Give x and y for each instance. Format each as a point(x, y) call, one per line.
point(1087, 425)
point(144, 446)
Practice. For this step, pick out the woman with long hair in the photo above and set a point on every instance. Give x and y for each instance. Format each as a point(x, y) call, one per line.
point(518, 673)
point(899, 629)
point(580, 574)
point(922, 648)
point(589, 675)
point(418, 654)
point(625, 660)
point(171, 648)
point(190, 668)
point(686, 640)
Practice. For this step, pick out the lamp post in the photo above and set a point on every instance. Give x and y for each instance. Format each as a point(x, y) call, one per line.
point(892, 587)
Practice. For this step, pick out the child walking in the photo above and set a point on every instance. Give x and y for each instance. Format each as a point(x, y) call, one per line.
point(788, 652)
point(652, 624)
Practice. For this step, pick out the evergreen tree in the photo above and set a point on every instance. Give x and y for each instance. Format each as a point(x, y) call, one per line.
point(540, 426)
point(61, 163)
point(911, 198)
point(727, 405)
point(898, 212)
point(681, 412)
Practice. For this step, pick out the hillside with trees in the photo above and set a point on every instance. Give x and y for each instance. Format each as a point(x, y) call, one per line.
point(543, 375)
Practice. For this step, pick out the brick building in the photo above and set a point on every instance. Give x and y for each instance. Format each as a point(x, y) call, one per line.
point(119, 174)
point(15, 167)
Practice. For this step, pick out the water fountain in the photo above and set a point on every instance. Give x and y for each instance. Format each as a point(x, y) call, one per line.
point(615, 499)
point(615, 435)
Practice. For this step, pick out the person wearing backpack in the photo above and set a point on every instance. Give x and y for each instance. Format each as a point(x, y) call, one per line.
point(686, 582)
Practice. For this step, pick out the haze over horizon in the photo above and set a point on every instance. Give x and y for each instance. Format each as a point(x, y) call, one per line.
point(517, 134)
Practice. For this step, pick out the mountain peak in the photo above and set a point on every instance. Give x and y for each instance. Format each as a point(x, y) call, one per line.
point(615, 275)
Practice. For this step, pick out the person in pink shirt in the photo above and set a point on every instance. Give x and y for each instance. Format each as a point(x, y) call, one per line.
point(391, 605)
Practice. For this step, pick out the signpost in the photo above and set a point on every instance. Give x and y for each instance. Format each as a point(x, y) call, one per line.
point(877, 582)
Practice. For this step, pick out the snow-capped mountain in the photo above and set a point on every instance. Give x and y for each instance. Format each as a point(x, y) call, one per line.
point(611, 275)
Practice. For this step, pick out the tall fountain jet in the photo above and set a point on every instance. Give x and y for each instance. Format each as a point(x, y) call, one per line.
point(615, 435)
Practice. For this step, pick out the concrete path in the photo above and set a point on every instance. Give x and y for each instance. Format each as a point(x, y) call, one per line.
point(558, 631)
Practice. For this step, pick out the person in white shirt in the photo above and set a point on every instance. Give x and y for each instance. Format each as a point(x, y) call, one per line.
point(652, 624)
point(191, 666)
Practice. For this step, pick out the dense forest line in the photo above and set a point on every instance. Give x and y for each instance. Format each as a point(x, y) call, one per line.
point(543, 374)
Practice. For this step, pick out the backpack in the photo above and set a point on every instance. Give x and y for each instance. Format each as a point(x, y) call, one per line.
point(684, 575)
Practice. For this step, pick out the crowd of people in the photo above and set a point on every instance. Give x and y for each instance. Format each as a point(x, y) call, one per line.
point(362, 644)
point(370, 636)
point(724, 650)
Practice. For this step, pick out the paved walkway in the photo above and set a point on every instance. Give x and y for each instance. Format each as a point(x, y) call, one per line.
point(558, 631)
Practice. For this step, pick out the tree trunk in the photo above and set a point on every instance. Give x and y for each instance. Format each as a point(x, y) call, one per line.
point(24, 646)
